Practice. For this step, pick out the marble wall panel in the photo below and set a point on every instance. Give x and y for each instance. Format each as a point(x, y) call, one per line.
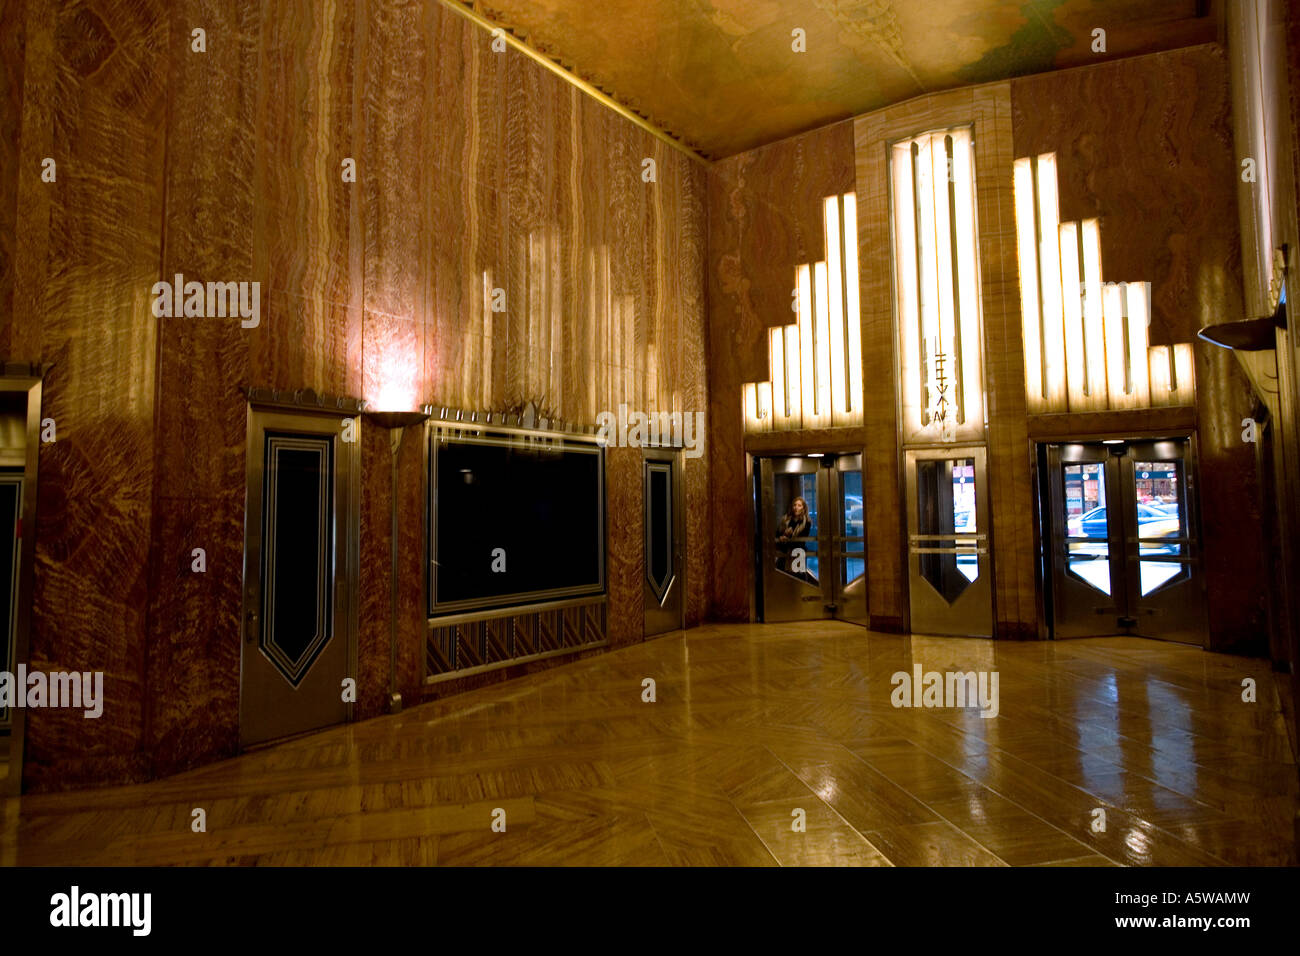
point(94, 98)
point(226, 166)
point(14, 341)
point(765, 218)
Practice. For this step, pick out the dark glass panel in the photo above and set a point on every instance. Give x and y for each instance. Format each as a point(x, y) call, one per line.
point(298, 549)
point(945, 493)
point(660, 529)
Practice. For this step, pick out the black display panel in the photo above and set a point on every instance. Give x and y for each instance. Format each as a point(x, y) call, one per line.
point(514, 520)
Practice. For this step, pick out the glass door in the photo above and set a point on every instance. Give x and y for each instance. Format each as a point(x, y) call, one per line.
point(1122, 551)
point(849, 543)
point(812, 530)
point(1088, 595)
point(791, 546)
point(1165, 596)
point(948, 556)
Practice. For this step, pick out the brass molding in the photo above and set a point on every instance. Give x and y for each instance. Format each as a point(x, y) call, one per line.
point(466, 9)
point(303, 399)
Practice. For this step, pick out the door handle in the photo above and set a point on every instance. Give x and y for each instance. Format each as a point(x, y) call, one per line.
point(250, 632)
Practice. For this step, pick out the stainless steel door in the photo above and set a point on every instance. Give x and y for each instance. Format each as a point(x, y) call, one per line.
point(665, 567)
point(1124, 552)
point(792, 546)
point(1162, 560)
point(949, 574)
point(1087, 555)
point(301, 532)
point(849, 542)
point(813, 541)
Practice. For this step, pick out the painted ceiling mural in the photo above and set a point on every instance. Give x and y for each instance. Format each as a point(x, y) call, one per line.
point(723, 77)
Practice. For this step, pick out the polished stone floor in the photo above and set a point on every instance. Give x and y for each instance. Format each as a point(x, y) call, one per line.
point(1103, 751)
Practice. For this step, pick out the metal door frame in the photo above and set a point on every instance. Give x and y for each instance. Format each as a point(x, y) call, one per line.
point(782, 592)
point(1066, 593)
point(347, 514)
point(1130, 608)
point(849, 602)
point(658, 619)
point(971, 614)
point(828, 600)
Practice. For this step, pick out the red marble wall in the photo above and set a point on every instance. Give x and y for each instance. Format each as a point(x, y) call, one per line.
point(87, 246)
point(226, 166)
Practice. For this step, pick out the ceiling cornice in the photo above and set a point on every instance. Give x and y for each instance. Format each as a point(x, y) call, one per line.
point(467, 9)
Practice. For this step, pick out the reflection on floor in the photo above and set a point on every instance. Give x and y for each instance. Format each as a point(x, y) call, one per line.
point(751, 722)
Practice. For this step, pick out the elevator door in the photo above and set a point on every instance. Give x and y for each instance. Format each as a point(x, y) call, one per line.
point(949, 580)
point(1122, 549)
point(812, 538)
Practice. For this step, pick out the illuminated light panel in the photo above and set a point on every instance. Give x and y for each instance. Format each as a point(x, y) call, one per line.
point(1139, 318)
point(1035, 392)
point(839, 384)
point(822, 369)
point(971, 399)
point(1076, 368)
point(758, 406)
point(1185, 364)
point(905, 282)
point(1086, 342)
point(815, 363)
point(1176, 385)
point(764, 399)
point(936, 279)
point(1160, 374)
point(1094, 330)
point(807, 350)
point(793, 389)
point(1117, 385)
point(852, 313)
point(1049, 261)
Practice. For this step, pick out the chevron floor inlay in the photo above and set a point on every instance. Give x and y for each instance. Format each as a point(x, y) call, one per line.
point(766, 745)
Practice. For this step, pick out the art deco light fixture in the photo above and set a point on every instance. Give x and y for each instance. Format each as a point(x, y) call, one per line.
point(815, 363)
point(1086, 342)
point(937, 286)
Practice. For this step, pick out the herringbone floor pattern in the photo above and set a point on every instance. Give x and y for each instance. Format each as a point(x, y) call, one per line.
point(751, 722)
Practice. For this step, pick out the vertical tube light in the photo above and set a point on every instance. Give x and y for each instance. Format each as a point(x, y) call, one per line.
point(1049, 259)
point(852, 312)
point(1139, 318)
point(1094, 331)
point(1076, 366)
point(822, 415)
point(1035, 390)
point(905, 276)
point(967, 348)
